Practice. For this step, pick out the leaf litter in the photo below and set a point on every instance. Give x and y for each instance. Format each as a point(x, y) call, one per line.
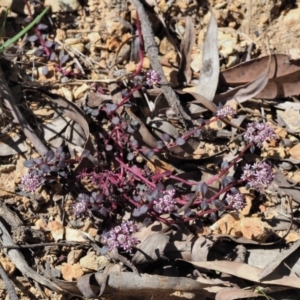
point(67, 108)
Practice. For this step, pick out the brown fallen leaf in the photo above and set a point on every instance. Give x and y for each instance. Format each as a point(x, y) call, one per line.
point(246, 91)
point(281, 87)
point(280, 65)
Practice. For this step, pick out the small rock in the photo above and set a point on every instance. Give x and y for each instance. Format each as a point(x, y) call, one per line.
point(291, 117)
point(232, 60)
point(62, 5)
point(71, 272)
point(74, 235)
point(67, 93)
point(60, 35)
point(57, 230)
point(93, 262)
point(73, 256)
point(255, 229)
point(295, 152)
point(8, 266)
point(292, 17)
point(94, 37)
point(80, 47)
point(80, 91)
point(229, 224)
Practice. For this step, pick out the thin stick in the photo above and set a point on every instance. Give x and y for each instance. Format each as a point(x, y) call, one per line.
point(151, 49)
point(8, 285)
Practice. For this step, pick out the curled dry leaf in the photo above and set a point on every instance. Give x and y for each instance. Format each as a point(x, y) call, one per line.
point(280, 65)
point(151, 249)
point(246, 91)
point(283, 76)
point(129, 284)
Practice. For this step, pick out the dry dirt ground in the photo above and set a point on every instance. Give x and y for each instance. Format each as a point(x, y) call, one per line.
point(82, 51)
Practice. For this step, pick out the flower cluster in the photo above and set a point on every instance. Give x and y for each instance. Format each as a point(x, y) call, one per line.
point(80, 207)
point(165, 203)
point(152, 78)
point(237, 201)
point(259, 133)
point(120, 237)
point(226, 111)
point(258, 175)
point(30, 182)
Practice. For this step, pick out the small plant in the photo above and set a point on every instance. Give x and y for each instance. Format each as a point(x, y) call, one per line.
point(129, 186)
point(123, 184)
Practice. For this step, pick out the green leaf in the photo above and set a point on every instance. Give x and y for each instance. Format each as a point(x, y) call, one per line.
point(8, 43)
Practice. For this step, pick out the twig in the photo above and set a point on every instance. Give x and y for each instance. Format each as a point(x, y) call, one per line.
point(151, 49)
point(18, 259)
point(41, 245)
point(8, 285)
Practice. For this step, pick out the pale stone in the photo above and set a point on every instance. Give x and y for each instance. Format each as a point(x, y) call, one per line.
point(291, 117)
point(232, 60)
point(60, 35)
point(7, 265)
point(71, 272)
point(80, 47)
point(229, 224)
point(146, 63)
point(165, 46)
point(295, 152)
point(72, 41)
point(255, 229)
point(80, 91)
point(62, 5)
point(67, 93)
point(93, 262)
point(296, 176)
point(227, 43)
point(57, 230)
point(130, 67)
point(292, 17)
point(73, 256)
point(74, 235)
point(94, 37)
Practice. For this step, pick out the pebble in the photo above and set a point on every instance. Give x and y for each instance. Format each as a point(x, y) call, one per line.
point(63, 5)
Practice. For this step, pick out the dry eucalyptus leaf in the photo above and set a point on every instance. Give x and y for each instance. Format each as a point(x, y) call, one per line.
point(280, 65)
point(246, 91)
point(186, 46)
point(210, 70)
point(151, 249)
